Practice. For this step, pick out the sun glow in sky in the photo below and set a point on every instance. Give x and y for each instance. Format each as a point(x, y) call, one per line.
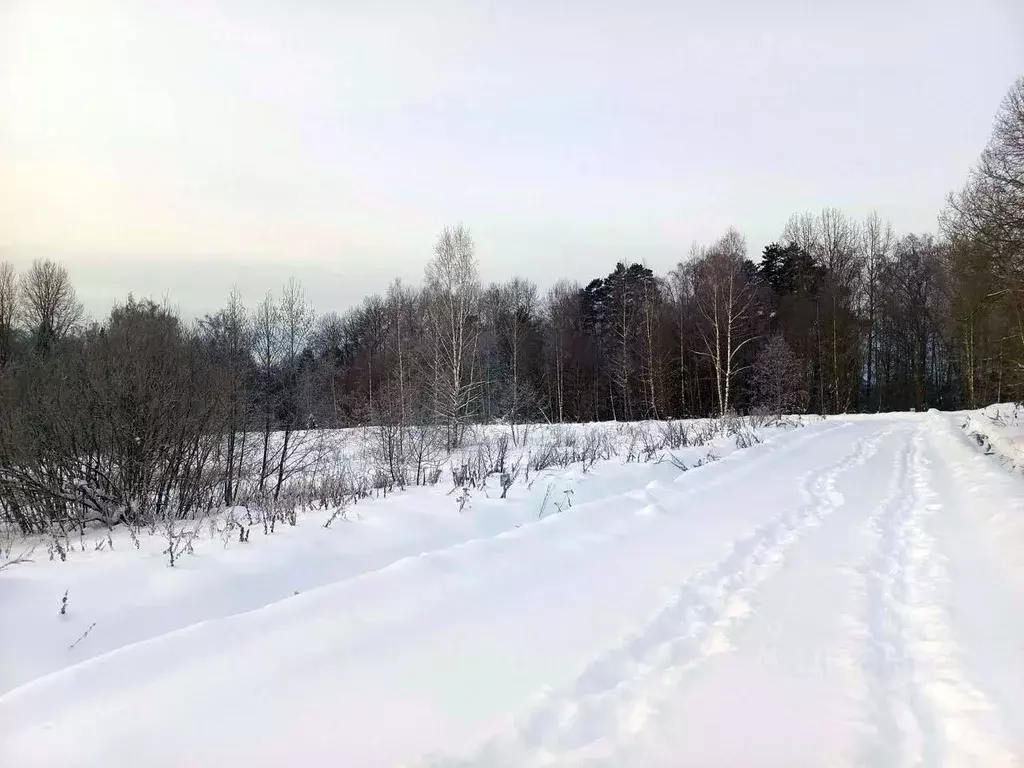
point(180, 146)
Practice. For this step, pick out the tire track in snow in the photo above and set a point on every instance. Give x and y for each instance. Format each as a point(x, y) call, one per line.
point(922, 708)
point(607, 708)
point(893, 711)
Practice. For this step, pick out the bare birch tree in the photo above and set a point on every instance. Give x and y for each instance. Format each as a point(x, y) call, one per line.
point(401, 310)
point(296, 324)
point(650, 308)
point(266, 326)
point(230, 338)
point(839, 244)
point(724, 295)
point(519, 301)
point(680, 288)
point(453, 287)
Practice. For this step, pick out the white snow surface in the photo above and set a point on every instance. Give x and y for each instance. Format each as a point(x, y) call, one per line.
point(999, 429)
point(847, 593)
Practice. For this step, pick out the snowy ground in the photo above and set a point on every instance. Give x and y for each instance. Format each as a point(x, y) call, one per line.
point(999, 430)
point(846, 593)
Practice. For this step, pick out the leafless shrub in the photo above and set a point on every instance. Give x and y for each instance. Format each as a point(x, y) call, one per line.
point(179, 539)
point(475, 468)
point(759, 418)
point(556, 434)
point(589, 451)
point(133, 532)
point(731, 424)
point(705, 431)
point(508, 478)
point(267, 511)
point(290, 505)
point(493, 453)
point(996, 418)
point(979, 437)
point(708, 458)
point(650, 444)
point(545, 500)
point(464, 475)
point(542, 458)
point(524, 432)
point(8, 535)
point(632, 449)
point(224, 526)
point(58, 545)
point(426, 449)
point(463, 499)
point(746, 438)
point(82, 636)
point(307, 454)
point(123, 426)
point(21, 558)
point(547, 456)
point(566, 502)
point(330, 489)
point(679, 463)
point(339, 511)
point(382, 481)
point(674, 434)
point(360, 489)
point(789, 422)
point(391, 452)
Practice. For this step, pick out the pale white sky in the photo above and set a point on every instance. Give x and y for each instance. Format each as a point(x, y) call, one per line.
point(180, 146)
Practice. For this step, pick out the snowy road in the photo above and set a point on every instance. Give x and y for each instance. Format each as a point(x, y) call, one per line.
point(849, 593)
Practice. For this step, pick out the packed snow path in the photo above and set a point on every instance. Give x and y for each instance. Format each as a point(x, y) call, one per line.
point(849, 593)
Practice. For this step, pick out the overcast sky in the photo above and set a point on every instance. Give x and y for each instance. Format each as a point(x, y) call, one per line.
point(180, 146)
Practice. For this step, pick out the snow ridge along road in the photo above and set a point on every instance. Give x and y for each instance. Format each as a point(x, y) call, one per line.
point(831, 597)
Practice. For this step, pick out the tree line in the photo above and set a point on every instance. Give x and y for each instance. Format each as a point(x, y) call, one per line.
point(839, 314)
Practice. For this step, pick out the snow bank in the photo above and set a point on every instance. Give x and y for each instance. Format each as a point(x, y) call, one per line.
point(121, 591)
point(999, 431)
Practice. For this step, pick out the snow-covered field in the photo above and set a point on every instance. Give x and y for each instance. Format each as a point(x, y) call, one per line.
point(844, 593)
